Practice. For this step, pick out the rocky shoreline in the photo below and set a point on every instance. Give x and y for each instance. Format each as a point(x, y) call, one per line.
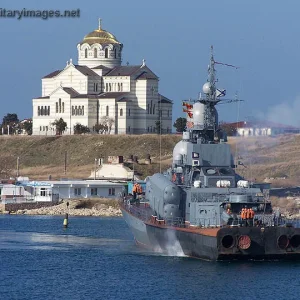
point(95, 208)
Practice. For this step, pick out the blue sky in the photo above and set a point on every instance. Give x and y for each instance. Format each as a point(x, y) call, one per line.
point(261, 37)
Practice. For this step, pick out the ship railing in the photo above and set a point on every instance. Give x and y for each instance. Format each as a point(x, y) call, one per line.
point(264, 220)
point(140, 209)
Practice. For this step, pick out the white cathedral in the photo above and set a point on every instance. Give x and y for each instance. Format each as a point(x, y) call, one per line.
point(100, 88)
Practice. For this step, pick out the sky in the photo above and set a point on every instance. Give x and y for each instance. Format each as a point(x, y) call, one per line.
point(174, 37)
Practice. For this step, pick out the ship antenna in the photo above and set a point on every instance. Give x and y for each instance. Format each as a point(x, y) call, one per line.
point(160, 113)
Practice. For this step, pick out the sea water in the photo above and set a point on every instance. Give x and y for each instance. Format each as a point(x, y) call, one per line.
point(96, 258)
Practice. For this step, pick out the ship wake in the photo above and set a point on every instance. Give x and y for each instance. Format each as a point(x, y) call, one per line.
point(170, 246)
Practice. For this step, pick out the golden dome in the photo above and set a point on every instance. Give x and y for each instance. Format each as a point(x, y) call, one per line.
point(100, 36)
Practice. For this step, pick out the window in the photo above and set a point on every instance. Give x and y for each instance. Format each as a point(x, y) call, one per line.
point(106, 53)
point(48, 110)
point(115, 52)
point(63, 107)
point(107, 110)
point(40, 128)
point(111, 191)
point(128, 128)
point(56, 107)
point(43, 192)
point(148, 109)
point(153, 109)
point(106, 87)
point(129, 112)
point(168, 113)
point(121, 87)
point(95, 87)
point(39, 111)
point(59, 104)
point(77, 191)
point(93, 191)
point(95, 53)
point(82, 110)
point(42, 111)
point(85, 53)
point(121, 112)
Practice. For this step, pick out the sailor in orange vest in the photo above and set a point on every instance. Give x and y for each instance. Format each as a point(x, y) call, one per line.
point(248, 216)
point(243, 216)
point(134, 191)
point(251, 216)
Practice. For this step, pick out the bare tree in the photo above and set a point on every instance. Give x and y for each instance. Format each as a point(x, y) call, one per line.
point(107, 122)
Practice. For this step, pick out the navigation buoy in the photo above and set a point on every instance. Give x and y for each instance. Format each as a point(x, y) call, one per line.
point(66, 220)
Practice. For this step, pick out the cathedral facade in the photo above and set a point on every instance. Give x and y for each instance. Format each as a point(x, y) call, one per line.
point(99, 90)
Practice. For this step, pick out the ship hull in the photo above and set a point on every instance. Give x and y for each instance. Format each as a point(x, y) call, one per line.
point(227, 243)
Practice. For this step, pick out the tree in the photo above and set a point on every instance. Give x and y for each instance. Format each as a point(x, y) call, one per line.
point(107, 122)
point(180, 124)
point(80, 129)
point(27, 126)
point(60, 126)
point(10, 120)
point(228, 128)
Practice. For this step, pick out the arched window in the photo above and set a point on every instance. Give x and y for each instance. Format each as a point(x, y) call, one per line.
point(39, 111)
point(56, 107)
point(85, 53)
point(106, 53)
point(82, 110)
point(95, 52)
point(63, 107)
point(121, 112)
point(153, 109)
point(115, 52)
point(59, 104)
point(107, 110)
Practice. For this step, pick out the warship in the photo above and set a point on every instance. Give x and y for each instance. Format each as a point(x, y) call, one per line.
point(201, 207)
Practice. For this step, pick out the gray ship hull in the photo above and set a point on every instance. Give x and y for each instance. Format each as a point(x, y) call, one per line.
point(209, 243)
point(138, 229)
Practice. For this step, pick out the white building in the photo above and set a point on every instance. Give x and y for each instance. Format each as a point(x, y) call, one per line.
point(262, 128)
point(53, 191)
point(99, 87)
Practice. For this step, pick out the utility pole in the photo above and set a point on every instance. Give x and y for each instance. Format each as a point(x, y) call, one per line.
point(95, 168)
point(65, 169)
point(18, 166)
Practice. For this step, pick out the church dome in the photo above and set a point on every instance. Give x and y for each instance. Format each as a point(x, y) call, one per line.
point(100, 48)
point(100, 36)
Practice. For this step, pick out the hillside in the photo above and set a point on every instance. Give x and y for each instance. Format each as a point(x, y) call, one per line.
point(44, 156)
point(262, 157)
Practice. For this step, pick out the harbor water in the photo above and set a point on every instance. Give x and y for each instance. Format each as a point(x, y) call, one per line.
point(96, 258)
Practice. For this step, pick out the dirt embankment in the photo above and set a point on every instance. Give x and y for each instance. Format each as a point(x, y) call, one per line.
point(40, 157)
